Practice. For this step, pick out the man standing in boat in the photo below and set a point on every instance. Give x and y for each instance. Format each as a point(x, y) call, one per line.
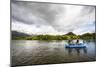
point(69, 42)
point(77, 41)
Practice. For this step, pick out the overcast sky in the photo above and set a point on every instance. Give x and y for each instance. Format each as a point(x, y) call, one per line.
point(44, 18)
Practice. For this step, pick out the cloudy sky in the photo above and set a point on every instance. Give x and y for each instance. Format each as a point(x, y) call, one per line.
point(56, 19)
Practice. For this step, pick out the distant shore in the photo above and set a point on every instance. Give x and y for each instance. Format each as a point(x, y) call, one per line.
point(55, 37)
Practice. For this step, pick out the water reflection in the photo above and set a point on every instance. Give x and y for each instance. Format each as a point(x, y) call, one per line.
point(78, 51)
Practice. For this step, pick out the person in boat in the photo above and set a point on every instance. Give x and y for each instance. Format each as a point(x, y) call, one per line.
point(70, 42)
point(77, 42)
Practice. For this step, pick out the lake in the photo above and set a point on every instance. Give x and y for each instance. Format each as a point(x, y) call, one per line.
point(35, 52)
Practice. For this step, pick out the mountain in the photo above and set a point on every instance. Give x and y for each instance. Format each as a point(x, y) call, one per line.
point(18, 34)
point(70, 33)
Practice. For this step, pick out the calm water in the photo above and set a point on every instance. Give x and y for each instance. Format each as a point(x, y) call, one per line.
point(33, 52)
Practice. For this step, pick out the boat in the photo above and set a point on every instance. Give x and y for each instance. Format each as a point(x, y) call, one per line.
point(75, 46)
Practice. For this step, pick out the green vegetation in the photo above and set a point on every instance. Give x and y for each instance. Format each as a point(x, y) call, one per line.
point(70, 35)
point(88, 36)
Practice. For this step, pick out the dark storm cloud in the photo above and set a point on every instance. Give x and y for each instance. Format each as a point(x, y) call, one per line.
point(22, 11)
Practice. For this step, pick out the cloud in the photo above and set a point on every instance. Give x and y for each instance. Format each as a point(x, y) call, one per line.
point(86, 28)
point(30, 29)
point(74, 18)
point(27, 11)
point(44, 18)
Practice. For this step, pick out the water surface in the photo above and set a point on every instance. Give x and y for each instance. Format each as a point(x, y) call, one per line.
point(33, 52)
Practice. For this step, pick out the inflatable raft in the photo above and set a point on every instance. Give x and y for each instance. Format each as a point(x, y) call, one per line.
point(75, 46)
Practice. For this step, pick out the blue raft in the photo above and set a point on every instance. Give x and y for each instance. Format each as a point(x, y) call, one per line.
point(75, 46)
